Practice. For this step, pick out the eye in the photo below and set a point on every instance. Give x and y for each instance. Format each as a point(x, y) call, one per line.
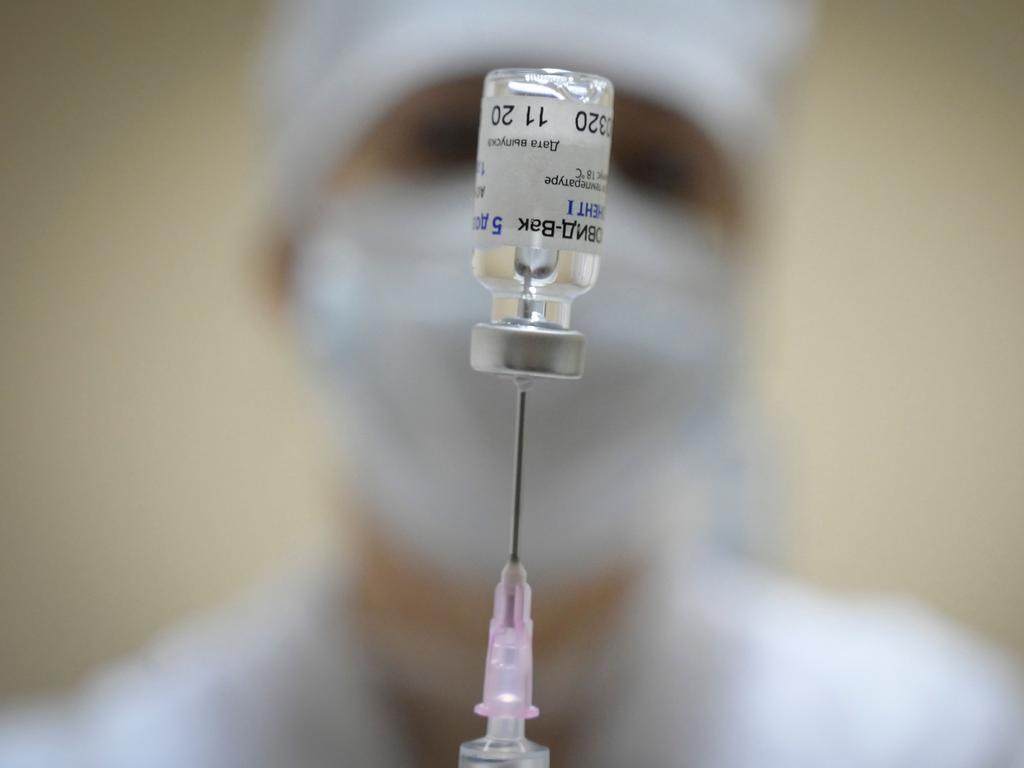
point(439, 138)
point(658, 170)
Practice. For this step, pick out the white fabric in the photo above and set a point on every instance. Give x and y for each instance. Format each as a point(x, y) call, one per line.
point(332, 68)
point(733, 668)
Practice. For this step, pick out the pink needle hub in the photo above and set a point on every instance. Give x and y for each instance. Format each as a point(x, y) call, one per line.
point(508, 675)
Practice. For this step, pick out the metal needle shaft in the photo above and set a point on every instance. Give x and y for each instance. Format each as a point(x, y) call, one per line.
point(517, 497)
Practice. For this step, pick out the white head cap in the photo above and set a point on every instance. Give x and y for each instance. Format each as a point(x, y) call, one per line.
point(332, 67)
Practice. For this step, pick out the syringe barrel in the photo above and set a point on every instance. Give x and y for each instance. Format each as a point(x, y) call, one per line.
point(504, 746)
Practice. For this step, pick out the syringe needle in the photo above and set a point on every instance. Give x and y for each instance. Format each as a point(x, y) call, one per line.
point(517, 497)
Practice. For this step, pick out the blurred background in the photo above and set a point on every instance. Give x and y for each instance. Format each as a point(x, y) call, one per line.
point(158, 450)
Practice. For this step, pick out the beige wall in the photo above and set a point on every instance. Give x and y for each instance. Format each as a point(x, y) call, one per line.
point(157, 453)
point(892, 309)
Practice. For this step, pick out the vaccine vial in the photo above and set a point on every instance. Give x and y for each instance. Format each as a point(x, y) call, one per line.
point(538, 219)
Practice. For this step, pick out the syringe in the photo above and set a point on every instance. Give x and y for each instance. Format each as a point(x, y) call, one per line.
point(542, 164)
point(508, 678)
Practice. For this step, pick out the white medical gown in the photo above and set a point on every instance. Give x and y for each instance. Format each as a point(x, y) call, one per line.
point(724, 666)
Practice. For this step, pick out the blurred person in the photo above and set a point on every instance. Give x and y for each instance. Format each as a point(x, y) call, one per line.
point(642, 512)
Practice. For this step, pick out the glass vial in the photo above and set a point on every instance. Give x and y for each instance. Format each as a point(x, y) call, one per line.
point(538, 216)
point(542, 167)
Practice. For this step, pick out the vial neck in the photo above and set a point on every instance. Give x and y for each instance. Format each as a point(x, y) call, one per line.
point(526, 308)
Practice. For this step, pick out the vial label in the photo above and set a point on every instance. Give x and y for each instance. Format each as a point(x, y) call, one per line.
point(541, 174)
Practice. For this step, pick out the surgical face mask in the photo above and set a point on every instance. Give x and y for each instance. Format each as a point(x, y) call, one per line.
point(384, 299)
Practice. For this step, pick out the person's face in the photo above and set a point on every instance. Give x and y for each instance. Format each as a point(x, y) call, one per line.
point(390, 308)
